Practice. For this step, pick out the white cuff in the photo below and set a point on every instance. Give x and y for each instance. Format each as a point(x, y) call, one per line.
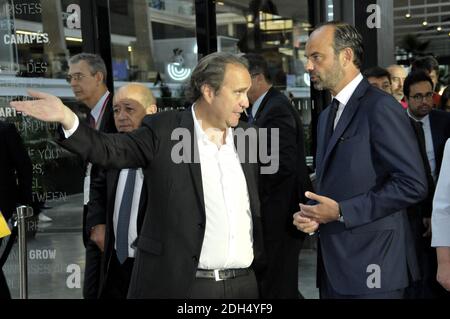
point(69, 133)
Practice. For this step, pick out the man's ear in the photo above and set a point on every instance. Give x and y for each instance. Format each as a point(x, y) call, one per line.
point(207, 93)
point(347, 55)
point(99, 77)
point(152, 109)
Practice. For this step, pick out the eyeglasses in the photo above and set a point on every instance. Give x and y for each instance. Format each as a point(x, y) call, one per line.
point(76, 76)
point(419, 97)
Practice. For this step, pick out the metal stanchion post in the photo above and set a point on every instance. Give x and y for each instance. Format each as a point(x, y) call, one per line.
point(23, 212)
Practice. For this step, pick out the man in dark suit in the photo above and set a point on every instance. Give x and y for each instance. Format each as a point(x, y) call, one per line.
point(131, 103)
point(87, 76)
point(201, 236)
point(281, 192)
point(368, 172)
point(432, 129)
point(16, 176)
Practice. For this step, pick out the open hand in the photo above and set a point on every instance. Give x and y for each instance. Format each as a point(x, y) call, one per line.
point(47, 108)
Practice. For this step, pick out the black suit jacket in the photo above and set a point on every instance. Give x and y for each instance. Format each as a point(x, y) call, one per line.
point(280, 195)
point(171, 237)
point(101, 207)
point(440, 132)
point(15, 165)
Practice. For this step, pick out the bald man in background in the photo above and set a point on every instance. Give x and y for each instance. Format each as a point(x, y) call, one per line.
point(114, 227)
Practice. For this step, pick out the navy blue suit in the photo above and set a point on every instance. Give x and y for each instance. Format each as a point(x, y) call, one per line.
point(373, 169)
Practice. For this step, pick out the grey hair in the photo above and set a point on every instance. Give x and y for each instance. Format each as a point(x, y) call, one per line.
point(95, 62)
point(210, 70)
point(346, 36)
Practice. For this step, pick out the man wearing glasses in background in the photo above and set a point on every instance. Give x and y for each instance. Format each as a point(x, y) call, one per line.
point(432, 129)
point(87, 77)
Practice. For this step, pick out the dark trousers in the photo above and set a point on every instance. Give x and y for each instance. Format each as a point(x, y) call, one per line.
point(93, 263)
point(92, 271)
point(117, 280)
point(280, 277)
point(243, 287)
point(427, 287)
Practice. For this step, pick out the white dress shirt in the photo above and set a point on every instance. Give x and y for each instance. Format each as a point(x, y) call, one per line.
point(255, 106)
point(440, 218)
point(428, 141)
point(344, 96)
point(98, 110)
point(132, 229)
point(228, 240)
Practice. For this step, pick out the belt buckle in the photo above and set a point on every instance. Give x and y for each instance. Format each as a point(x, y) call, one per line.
point(216, 275)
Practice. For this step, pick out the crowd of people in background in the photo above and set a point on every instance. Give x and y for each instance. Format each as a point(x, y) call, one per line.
point(217, 229)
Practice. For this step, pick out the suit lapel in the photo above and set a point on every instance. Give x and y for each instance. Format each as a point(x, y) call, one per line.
point(142, 207)
point(264, 103)
point(187, 122)
point(349, 112)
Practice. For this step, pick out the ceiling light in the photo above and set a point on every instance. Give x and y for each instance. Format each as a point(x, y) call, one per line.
point(408, 15)
point(425, 22)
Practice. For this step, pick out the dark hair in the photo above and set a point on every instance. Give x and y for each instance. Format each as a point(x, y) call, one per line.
point(95, 62)
point(346, 36)
point(413, 78)
point(445, 97)
point(377, 72)
point(258, 65)
point(211, 70)
point(426, 63)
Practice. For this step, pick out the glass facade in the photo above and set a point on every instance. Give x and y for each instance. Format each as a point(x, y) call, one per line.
point(36, 40)
point(158, 43)
point(154, 42)
point(278, 30)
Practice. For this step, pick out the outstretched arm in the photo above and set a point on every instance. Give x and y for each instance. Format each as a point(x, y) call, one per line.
point(135, 149)
point(47, 108)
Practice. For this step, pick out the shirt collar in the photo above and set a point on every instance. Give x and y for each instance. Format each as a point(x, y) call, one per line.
point(201, 135)
point(97, 110)
point(346, 93)
point(257, 103)
point(425, 120)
